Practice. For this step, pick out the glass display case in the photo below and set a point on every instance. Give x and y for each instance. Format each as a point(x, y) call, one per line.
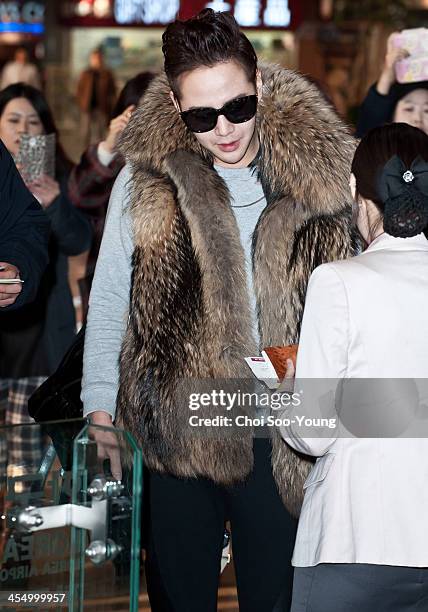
point(70, 514)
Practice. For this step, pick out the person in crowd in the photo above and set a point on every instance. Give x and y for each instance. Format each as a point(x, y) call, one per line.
point(96, 94)
point(388, 101)
point(236, 186)
point(362, 542)
point(92, 179)
point(20, 70)
point(34, 338)
point(24, 230)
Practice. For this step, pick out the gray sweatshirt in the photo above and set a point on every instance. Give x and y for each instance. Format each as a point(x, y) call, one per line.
point(109, 300)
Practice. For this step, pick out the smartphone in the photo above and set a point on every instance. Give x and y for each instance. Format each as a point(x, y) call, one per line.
point(11, 281)
point(414, 40)
point(36, 156)
point(415, 67)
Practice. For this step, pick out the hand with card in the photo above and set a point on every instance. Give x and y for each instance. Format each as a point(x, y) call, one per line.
point(276, 364)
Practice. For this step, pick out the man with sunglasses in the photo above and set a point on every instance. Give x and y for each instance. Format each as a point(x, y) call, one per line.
point(236, 188)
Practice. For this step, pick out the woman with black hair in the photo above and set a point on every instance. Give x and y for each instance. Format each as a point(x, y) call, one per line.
point(362, 540)
point(34, 339)
point(390, 102)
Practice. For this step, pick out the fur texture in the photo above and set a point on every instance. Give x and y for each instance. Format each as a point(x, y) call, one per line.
point(190, 313)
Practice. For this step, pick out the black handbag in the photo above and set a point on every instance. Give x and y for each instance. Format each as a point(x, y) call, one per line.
point(58, 398)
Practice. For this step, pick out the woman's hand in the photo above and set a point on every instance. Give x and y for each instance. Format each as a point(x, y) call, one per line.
point(393, 55)
point(287, 384)
point(290, 371)
point(45, 189)
point(117, 125)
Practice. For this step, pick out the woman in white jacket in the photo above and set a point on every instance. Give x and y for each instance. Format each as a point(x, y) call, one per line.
point(362, 542)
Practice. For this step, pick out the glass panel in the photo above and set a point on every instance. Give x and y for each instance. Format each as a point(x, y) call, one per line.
point(66, 525)
point(107, 483)
point(35, 474)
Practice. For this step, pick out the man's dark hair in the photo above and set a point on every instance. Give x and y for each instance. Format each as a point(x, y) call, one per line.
point(205, 40)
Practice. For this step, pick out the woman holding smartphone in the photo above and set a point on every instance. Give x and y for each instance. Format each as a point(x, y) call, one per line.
point(34, 339)
point(362, 541)
point(388, 101)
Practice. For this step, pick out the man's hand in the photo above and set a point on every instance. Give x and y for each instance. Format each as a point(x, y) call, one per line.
point(393, 55)
point(9, 293)
point(107, 441)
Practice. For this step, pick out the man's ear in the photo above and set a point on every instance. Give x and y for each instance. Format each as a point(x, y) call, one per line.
point(174, 101)
point(259, 84)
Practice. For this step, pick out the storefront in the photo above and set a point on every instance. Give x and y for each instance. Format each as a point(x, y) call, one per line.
point(130, 30)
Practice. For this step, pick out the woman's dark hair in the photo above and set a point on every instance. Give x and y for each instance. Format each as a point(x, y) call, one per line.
point(205, 40)
point(38, 101)
point(378, 147)
point(133, 90)
point(399, 90)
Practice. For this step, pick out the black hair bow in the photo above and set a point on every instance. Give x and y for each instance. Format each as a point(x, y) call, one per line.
point(396, 179)
point(404, 191)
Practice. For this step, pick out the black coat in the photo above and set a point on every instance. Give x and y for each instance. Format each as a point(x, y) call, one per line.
point(34, 339)
point(376, 110)
point(24, 229)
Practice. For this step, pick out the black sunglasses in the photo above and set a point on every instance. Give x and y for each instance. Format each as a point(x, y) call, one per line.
point(238, 110)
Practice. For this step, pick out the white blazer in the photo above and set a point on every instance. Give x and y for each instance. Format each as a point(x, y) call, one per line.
point(366, 499)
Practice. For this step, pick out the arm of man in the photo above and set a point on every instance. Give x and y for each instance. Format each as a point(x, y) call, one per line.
point(108, 307)
point(80, 89)
point(24, 232)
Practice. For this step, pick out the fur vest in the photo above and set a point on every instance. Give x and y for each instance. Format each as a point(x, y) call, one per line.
point(190, 311)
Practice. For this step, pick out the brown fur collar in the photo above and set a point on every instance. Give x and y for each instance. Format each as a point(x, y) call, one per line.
point(301, 138)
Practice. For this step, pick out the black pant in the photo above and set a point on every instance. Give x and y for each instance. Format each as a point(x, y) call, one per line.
point(185, 536)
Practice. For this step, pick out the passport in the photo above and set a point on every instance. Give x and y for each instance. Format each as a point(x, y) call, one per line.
point(270, 368)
